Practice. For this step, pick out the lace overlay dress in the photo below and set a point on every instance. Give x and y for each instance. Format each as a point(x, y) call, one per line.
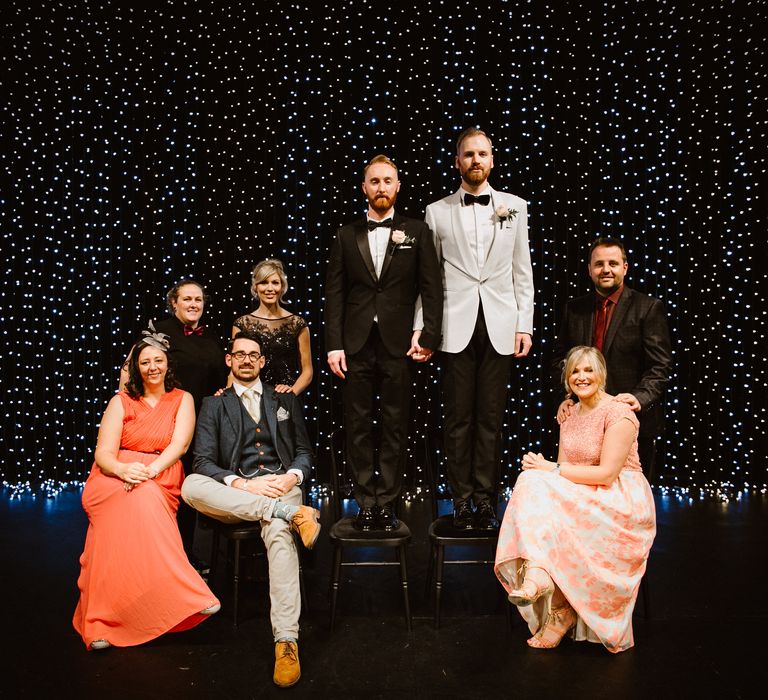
point(593, 540)
point(279, 344)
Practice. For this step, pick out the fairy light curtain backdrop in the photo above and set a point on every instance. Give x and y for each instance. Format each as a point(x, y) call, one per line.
point(143, 143)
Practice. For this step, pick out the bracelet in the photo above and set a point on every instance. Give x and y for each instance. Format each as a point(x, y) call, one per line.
point(556, 468)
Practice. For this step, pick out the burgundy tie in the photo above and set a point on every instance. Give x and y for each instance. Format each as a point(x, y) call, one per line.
point(188, 330)
point(600, 324)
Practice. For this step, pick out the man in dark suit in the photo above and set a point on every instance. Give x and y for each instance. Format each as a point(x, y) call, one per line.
point(630, 329)
point(252, 453)
point(378, 268)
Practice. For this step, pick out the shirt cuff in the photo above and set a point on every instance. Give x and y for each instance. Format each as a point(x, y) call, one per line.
point(299, 475)
point(230, 478)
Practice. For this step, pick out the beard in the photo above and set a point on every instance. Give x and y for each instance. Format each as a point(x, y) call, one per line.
point(475, 177)
point(382, 204)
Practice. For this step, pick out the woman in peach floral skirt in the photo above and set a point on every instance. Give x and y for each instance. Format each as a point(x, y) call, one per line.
point(577, 532)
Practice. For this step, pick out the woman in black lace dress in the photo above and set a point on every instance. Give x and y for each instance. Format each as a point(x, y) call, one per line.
point(284, 336)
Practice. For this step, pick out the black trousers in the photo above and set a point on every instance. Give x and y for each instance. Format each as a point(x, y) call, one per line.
point(374, 372)
point(186, 515)
point(474, 398)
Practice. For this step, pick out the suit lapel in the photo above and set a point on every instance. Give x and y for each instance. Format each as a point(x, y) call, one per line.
point(270, 410)
point(495, 201)
point(617, 319)
point(397, 223)
point(462, 238)
point(232, 408)
point(361, 237)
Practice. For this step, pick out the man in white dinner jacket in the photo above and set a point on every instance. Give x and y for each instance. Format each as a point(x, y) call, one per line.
point(481, 237)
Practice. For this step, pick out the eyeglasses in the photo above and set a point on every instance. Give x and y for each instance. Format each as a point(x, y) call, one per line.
point(240, 355)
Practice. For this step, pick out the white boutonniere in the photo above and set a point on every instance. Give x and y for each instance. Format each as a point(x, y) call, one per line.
point(399, 238)
point(504, 214)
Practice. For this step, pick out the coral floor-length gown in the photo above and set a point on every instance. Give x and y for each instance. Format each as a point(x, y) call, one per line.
point(135, 580)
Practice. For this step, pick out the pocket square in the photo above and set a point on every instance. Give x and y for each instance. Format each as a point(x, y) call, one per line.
point(282, 414)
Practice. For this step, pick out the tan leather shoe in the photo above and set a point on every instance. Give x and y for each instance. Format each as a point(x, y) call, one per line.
point(305, 522)
point(287, 667)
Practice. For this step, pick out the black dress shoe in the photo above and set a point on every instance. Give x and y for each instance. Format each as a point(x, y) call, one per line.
point(463, 517)
point(485, 517)
point(387, 519)
point(365, 520)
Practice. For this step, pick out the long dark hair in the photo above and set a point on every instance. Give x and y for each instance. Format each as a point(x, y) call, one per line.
point(135, 386)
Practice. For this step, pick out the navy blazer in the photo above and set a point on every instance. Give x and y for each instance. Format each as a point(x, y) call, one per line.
point(220, 433)
point(637, 349)
point(354, 295)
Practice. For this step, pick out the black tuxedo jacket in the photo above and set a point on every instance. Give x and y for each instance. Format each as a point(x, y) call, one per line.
point(354, 295)
point(637, 349)
point(220, 433)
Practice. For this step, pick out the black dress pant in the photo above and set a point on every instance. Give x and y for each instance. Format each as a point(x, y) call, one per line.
point(375, 372)
point(474, 398)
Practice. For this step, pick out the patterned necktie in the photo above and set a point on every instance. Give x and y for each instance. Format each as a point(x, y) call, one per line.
point(188, 330)
point(481, 199)
point(251, 402)
point(600, 323)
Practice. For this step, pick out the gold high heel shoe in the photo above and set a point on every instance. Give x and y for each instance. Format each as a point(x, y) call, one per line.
point(558, 624)
point(533, 587)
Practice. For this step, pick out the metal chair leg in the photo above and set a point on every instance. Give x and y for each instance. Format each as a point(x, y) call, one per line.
point(439, 582)
point(336, 575)
point(404, 579)
point(236, 591)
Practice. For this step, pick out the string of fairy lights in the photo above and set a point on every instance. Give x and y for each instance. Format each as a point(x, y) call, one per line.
point(150, 142)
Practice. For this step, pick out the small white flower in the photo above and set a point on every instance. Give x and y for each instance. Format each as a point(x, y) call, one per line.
point(502, 212)
point(398, 237)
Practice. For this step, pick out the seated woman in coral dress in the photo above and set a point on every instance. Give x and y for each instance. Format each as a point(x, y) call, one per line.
point(135, 580)
point(576, 533)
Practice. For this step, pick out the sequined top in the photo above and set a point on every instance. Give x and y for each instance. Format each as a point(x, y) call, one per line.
point(279, 339)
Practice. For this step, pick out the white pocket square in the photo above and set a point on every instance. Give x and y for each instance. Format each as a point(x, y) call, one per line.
point(282, 414)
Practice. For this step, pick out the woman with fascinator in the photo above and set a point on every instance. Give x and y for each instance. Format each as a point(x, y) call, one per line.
point(135, 580)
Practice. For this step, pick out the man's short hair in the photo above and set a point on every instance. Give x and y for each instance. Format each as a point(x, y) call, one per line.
point(244, 335)
point(607, 243)
point(379, 159)
point(467, 133)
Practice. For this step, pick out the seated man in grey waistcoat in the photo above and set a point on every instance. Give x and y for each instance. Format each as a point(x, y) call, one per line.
point(252, 453)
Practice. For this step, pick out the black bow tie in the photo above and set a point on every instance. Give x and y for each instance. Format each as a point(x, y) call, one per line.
point(482, 199)
point(387, 223)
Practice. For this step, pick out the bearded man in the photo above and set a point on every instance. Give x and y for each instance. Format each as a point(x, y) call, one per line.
point(379, 266)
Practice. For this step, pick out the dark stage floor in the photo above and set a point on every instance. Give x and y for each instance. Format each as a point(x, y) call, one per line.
point(707, 577)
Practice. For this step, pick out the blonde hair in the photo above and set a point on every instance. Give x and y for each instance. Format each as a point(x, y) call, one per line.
point(379, 159)
point(264, 269)
point(595, 357)
point(468, 133)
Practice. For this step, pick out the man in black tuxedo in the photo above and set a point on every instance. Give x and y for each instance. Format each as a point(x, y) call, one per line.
point(252, 453)
point(378, 268)
point(630, 329)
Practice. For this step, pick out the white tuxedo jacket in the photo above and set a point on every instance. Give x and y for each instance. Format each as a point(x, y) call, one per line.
point(504, 282)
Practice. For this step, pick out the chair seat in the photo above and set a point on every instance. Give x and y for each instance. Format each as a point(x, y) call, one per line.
point(344, 532)
point(444, 530)
point(237, 531)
